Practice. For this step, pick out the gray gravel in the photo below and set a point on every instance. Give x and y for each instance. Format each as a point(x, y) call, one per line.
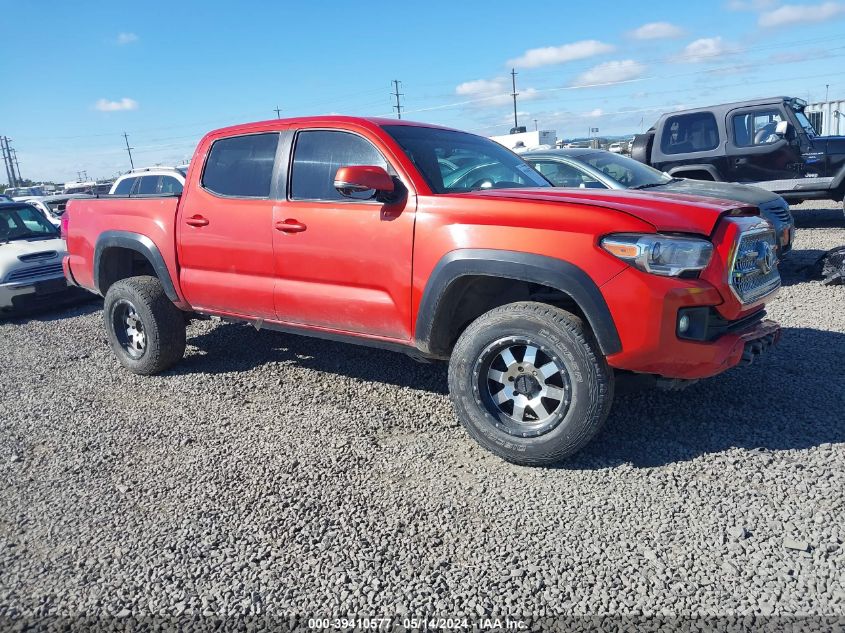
point(273, 474)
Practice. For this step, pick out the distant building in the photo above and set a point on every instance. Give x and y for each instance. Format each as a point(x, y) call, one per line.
point(525, 141)
point(827, 117)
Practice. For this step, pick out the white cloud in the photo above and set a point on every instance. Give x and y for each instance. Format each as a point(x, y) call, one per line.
point(791, 14)
point(657, 31)
point(594, 114)
point(536, 57)
point(703, 50)
point(611, 72)
point(126, 38)
point(494, 91)
point(480, 87)
point(104, 105)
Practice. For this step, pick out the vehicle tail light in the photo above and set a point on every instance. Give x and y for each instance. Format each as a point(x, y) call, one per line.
point(64, 223)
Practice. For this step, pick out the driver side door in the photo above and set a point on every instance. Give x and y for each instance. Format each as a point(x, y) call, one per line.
point(756, 154)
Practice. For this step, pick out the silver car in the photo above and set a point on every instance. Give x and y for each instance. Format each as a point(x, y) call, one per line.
point(31, 253)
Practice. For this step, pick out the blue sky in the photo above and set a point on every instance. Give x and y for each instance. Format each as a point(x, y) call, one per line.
point(166, 72)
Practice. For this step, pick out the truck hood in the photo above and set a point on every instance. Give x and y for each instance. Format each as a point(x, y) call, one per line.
point(674, 212)
point(746, 194)
point(829, 144)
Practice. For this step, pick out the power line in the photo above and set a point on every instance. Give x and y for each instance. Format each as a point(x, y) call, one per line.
point(397, 94)
point(129, 150)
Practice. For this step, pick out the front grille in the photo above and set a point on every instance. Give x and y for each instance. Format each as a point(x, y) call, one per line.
point(48, 270)
point(754, 272)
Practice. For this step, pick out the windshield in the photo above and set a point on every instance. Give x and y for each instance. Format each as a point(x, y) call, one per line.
point(25, 222)
point(455, 162)
point(804, 122)
point(626, 171)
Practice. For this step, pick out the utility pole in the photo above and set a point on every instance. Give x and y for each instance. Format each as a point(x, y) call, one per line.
point(826, 92)
point(13, 153)
point(535, 125)
point(7, 160)
point(514, 94)
point(278, 112)
point(397, 94)
point(129, 150)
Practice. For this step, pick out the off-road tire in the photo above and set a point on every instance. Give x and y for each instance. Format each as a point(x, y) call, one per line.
point(162, 323)
point(562, 335)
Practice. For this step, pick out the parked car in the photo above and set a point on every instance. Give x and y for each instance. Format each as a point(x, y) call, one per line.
point(54, 206)
point(345, 228)
point(766, 142)
point(20, 193)
point(150, 181)
point(597, 169)
point(619, 147)
point(31, 254)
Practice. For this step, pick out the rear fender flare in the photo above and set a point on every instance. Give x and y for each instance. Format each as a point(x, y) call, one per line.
point(540, 269)
point(680, 169)
point(140, 244)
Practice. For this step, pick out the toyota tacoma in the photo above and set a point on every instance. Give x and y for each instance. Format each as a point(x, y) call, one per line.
point(443, 245)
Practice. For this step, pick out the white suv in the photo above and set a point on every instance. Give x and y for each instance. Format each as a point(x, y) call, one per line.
point(150, 181)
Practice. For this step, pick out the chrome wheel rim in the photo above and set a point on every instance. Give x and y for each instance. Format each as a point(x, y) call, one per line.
point(129, 328)
point(524, 385)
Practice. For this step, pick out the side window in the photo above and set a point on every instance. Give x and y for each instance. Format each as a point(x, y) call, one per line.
point(690, 133)
point(241, 166)
point(124, 187)
point(318, 156)
point(756, 128)
point(148, 185)
point(170, 185)
point(563, 175)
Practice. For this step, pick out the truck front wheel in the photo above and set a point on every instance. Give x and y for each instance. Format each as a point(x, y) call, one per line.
point(145, 330)
point(529, 384)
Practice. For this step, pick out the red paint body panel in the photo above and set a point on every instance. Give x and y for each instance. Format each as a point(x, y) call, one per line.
point(361, 268)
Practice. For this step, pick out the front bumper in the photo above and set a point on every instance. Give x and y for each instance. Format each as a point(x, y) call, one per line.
point(645, 309)
point(35, 293)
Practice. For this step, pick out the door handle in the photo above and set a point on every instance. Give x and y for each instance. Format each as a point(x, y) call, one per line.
point(197, 220)
point(290, 226)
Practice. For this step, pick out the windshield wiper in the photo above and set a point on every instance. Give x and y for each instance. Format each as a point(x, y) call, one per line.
point(649, 185)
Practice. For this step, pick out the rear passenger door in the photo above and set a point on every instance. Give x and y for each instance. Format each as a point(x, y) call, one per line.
point(224, 226)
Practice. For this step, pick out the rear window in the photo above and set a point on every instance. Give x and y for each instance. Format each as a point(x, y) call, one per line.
point(124, 186)
point(148, 185)
point(170, 185)
point(241, 166)
point(687, 133)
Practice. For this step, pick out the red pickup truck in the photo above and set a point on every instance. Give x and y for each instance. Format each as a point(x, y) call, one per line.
point(443, 245)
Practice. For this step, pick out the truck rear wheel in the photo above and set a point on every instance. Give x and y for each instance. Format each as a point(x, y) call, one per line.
point(145, 330)
point(529, 384)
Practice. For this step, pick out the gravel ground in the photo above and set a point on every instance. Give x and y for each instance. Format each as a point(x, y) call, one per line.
point(274, 474)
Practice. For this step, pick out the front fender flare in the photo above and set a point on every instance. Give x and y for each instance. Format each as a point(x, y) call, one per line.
point(140, 244)
point(540, 269)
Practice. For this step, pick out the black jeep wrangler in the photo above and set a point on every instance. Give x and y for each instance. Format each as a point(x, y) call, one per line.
point(766, 142)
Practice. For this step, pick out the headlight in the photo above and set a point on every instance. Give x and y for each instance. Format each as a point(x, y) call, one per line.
point(665, 255)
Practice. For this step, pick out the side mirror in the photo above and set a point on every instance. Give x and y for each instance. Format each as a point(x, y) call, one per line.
point(360, 178)
point(782, 129)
